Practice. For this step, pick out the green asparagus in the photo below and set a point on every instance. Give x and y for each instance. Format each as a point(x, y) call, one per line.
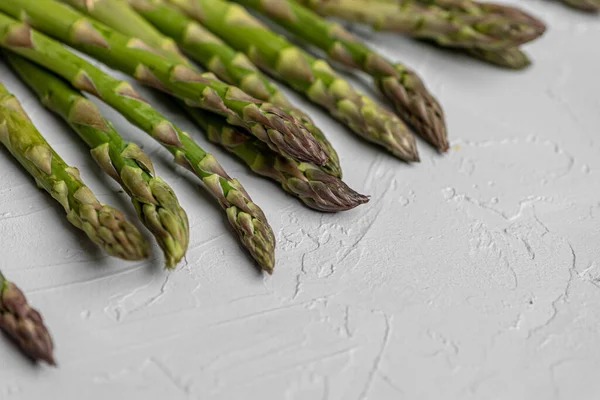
point(495, 19)
point(232, 67)
point(585, 5)
point(154, 200)
point(306, 181)
point(104, 225)
point(400, 85)
point(510, 57)
point(24, 324)
point(247, 218)
point(438, 21)
point(310, 76)
point(269, 123)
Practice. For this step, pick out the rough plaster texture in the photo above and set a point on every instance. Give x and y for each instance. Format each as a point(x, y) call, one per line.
point(474, 275)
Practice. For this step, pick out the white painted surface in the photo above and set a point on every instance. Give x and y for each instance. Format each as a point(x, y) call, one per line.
point(470, 276)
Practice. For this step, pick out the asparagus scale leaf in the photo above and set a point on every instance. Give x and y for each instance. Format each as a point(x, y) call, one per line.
point(511, 58)
point(154, 200)
point(306, 74)
point(125, 21)
point(104, 225)
point(247, 219)
point(282, 132)
point(24, 324)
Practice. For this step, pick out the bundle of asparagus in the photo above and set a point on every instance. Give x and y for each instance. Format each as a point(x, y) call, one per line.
point(24, 324)
point(154, 200)
point(216, 56)
point(236, 105)
point(487, 31)
point(246, 218)
point(104, 225)
point(304, 73)
point(280, 131)
point(400, 85)
point(321, 191)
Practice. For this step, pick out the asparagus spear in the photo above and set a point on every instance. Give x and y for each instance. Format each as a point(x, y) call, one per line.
point(104, 225)
point(247, 218)
point(402, 87)
point(24, 324)
point(510, 57)
point(153, 199)
point(505, 27)
point(497, 19)
point(269, 123)
point(306, 181)
point(230, 66)
point(310, 76)
point(585, 5)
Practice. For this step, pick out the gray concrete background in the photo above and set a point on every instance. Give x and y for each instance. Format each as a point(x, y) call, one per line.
point(474, 275)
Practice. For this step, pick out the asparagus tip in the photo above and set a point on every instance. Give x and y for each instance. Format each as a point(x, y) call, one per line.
point(49, 359)
point(324, 192)
point(411, 156)
point(24, 324)
point(443, 146)
point(267, 263)
point(288, 135)
point(415, 105)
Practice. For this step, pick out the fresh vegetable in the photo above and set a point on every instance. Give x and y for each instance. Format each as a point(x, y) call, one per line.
point(247, 218)
point(104, 225)
point(154, 200)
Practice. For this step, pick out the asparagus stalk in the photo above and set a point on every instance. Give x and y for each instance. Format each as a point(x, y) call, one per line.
point(104, 225)
point(446, 25)
point(400, 85)
point(230, 66)
point(317, 189)
point(269, 123)
point(154, 200)
point(247, 218)
point(24, 324)
point(585, 5)
point(308, 75)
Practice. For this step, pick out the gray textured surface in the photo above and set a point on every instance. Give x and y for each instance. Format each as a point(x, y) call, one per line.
point(470, 276)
